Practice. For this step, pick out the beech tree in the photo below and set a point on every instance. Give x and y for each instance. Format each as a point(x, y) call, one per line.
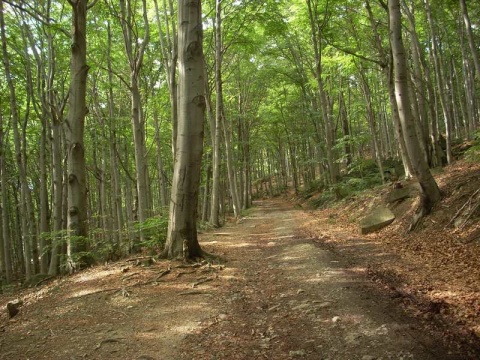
point(182, 224)
point(430, 193)
point(77, 190)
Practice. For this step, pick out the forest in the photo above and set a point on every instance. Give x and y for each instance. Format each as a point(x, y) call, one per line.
point(100, 144)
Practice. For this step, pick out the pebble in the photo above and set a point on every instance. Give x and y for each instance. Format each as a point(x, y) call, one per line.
point(222, 316)
point(293, 353)
point(336, 319)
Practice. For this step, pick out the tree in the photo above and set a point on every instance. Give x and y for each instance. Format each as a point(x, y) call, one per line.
point(135, 56)
point(25, 193)
point(470, 37)
point(182, 226)
point(430, 192)
point(77, 190)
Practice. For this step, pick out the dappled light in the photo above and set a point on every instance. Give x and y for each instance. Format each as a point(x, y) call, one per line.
point(240, 180)
point(93, 275)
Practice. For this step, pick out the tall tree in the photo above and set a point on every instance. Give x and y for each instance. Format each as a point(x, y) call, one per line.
point(25, 195)
point(470, 37)
point(182, 225)
point(135, 55)
point(317, 28)
point(430, 192)
point(75, 127)
point(6, 251)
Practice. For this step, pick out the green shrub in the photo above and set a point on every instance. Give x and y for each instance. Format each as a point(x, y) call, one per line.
point(473, 153)
point(154, 231)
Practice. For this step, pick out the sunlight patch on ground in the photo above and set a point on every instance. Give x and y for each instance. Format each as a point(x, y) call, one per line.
point(209, 242)
point(292, 258)
point(280, 237)
point(239, 245)
point(185, 328)
point(262, 234)
point(444, 294)
point(65, 309)
point(94, 275)
point(327, 275)
point(80, 293)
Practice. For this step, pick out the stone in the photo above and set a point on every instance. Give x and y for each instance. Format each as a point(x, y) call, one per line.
point(13, 307)
point(397, 195)
point(376, 220)
point(295, 353)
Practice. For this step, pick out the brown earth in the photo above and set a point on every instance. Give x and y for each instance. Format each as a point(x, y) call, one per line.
point(295, 285)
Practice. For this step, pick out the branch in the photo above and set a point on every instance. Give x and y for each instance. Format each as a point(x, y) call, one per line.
point(384, 5)
point(353, 53)
point(89, 6)
point(37, 16)
point(120, 77)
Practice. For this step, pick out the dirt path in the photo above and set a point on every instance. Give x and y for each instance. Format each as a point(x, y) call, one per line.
point(279, 296)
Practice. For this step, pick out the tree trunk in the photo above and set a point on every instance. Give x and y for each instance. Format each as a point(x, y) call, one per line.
point(6, 251)
point(440, 76)
point(316, 34)
point(471, 41)
point(170, 53)
point(182, 225)
point(430, 193)
point(116, 192)
point(19, 155)
point(76, 178)
point(219, 109)
point(135, 55)
point(160, 167)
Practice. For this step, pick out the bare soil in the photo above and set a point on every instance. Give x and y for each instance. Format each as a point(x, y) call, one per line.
point(295, 284)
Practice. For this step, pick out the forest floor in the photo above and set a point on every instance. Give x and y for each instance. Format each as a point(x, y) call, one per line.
point(294, 284)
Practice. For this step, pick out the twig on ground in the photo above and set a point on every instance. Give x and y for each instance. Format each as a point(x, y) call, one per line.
point(106, 341)
point(201, 281)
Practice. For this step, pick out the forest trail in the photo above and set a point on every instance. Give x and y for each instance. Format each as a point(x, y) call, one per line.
point(278, 296)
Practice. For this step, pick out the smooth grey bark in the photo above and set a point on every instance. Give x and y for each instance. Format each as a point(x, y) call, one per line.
point(135, 55)
point(316, 30)
point(471, 40)
point(425, 94)
point(77, 255)
point(19, 154)
point(6, 239)
point(372, 123)
point(387, 70)
point(441, 82)
point(182, 225)
point(37, 91)
point(56, 109)
point(116, 190)
point(169, 46)
point(220, 117)
point(215, 205)
point(430, 193)
point(160, 167)
point(215, 135)
point(419, 97)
